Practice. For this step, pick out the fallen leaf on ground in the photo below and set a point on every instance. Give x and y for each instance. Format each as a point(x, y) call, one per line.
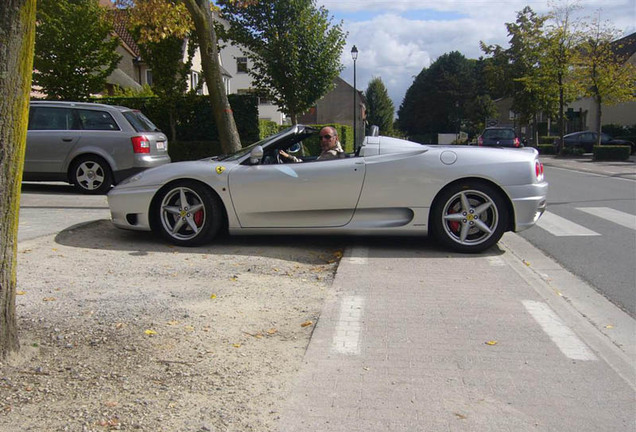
point(48, 299)
point(213, 296)
point(236, 345)
point(150, 332)
point(272, 331)
point(306, 324)
point(492, 342)
point(172, 323)
point(20, 292)
point(609, 326)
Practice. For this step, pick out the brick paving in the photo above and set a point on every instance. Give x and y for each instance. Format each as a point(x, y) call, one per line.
point(416, 339)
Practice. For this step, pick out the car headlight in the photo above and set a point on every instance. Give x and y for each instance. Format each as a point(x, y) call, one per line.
point(132, 179)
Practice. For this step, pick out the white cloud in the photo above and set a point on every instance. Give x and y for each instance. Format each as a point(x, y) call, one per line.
point(397, 38)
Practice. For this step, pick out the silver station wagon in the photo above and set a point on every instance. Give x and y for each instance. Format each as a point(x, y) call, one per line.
point(92, 146)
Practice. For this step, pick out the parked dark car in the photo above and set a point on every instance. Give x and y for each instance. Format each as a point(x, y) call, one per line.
point(587, 140)
point(92, 146)
point(499, 137)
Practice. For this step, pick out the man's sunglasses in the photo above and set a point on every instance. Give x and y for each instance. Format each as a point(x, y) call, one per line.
point(325, 136)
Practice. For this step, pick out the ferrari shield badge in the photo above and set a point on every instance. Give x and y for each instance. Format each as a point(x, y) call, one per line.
point(220, 169)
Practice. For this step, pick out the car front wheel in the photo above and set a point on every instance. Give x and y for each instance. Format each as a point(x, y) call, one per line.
point(469, 217)
point(186, 213)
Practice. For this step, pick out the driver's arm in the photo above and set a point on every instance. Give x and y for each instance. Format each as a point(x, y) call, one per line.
point(289, 157)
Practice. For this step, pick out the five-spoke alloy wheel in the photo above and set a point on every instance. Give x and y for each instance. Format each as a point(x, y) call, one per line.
point(469, 217)
point(91, 175)
point(186, 213)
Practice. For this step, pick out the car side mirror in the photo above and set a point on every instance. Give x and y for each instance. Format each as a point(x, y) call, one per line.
point(256, 155)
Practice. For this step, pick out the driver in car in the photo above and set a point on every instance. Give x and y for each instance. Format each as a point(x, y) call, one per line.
point(331, 148)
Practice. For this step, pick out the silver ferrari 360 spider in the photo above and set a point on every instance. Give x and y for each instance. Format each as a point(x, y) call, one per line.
point(466, 197)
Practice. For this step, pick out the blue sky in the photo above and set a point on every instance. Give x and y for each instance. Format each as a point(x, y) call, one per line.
point(397, 38)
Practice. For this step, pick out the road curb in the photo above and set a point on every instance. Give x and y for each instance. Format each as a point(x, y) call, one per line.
point(605, 327)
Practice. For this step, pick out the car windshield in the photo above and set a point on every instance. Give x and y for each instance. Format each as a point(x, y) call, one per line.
point(245, 150)
point(140, 122)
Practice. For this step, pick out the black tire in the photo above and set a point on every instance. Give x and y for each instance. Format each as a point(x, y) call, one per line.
point(192, 224)
point(91, 175)
point(469, 217)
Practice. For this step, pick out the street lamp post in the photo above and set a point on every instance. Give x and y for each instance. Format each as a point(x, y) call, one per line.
point(354, 56)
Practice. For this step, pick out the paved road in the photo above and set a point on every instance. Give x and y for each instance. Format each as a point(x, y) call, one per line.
point(61, 205)
point(590, 228)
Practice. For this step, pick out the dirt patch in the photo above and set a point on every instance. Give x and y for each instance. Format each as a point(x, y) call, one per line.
point(122, 332)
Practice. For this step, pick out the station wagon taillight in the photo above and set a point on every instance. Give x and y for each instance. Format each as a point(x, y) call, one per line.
point(538, 169)
point(516, 142)
point(141, 144)
point(480, 141)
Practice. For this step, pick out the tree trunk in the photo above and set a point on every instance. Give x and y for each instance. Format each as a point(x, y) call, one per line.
point(561, 116)
point(597, 120)
point(221, 109)
point(17, 38)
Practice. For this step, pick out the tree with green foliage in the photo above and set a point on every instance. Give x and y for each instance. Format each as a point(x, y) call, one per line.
point(165, 18)
point(293, 47)
point(439, 98)
point(74, 49)
point(380, 110)
point(562, 36)
point(165, 58)
point(601, 71)
point(17, 35)
point(522, 67)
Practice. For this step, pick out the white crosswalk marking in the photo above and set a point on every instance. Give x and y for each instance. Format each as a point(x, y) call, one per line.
point(561, 227)
point(568, 342)
point(618, 217)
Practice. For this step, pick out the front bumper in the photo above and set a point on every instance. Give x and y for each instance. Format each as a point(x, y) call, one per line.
point(129, 208)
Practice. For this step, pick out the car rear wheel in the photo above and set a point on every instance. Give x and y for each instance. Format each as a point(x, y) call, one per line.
point(469, 217)
point(91, 175)
point(186, 213)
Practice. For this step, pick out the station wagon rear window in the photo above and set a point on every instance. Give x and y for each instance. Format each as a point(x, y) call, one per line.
point(96, 120)
point(140, 122)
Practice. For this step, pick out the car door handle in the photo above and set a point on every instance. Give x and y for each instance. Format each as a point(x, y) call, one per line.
point(67, 139)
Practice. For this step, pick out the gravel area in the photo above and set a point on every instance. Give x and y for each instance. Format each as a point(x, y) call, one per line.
point(120, 331)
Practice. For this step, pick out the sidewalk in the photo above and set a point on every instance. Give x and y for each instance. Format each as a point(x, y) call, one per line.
point(416, 339)
point(626, 169)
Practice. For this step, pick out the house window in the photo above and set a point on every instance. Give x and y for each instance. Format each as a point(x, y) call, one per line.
point(241, 64)
point(194, 82)
point(149, 77)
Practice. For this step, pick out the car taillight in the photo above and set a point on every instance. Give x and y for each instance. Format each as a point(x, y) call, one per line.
point(516, 142)
point(480, 141)
point(141, 144)
point(538, 169)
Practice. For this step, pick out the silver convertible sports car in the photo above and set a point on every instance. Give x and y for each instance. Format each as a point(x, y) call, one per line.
point(466, 197)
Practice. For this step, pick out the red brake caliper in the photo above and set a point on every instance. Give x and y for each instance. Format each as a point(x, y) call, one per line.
point(454, 225)
point(198, 218)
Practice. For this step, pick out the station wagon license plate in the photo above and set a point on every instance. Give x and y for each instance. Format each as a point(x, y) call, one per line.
point(161, 145)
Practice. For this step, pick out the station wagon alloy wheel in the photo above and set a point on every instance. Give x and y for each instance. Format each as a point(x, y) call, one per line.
point(91, 175)
point(188, 214)
point(470, 218)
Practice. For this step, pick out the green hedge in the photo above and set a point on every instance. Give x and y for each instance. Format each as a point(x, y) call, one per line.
point(193, 115)
point(193, 150)
point(611, 153)
point(547, 149)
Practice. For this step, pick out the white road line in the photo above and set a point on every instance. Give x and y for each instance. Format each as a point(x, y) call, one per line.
point(346, 337)
point(618, 217)
point(561, 334)
point(358, 255)
point(561, 227)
